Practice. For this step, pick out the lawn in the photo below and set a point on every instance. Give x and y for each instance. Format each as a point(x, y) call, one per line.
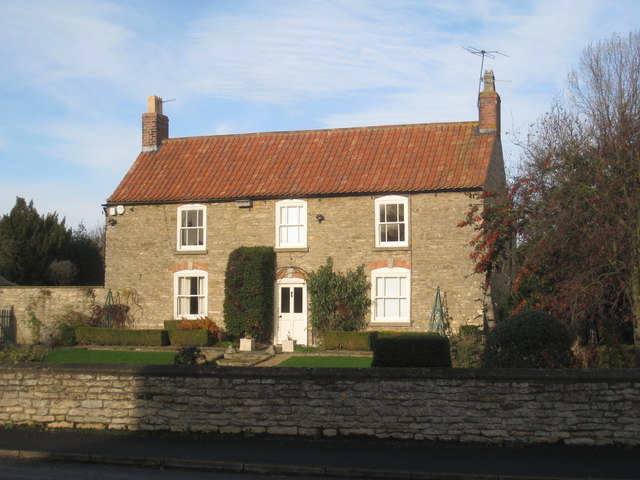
point(130, 357)
point(326, 361)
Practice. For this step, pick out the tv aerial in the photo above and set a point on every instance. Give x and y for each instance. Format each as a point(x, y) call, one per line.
point(483, 53)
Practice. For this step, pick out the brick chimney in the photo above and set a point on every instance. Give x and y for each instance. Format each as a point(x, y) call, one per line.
point(155, 125)
point(489, 105)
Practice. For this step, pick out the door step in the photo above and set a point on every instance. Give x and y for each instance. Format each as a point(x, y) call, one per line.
point(244, 359)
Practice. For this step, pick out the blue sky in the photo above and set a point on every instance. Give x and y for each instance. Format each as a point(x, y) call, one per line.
point(76, 74)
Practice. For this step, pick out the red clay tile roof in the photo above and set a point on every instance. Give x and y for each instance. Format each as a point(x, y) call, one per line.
point(402, 158)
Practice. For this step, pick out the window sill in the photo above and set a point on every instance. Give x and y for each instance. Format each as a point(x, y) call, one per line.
point(386, 249)
point(390, 324)
point(292, 249)
point(191, 252)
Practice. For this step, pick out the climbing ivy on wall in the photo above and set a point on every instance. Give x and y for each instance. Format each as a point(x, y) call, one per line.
point(338, 301)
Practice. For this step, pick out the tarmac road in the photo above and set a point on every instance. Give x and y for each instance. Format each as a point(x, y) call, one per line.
point(58, 470)
point(336, 457)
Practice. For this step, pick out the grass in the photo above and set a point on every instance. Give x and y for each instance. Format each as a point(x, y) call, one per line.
point(129, 357)
point(326, 361)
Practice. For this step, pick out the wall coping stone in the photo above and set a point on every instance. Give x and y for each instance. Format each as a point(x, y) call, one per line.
point(356, 374)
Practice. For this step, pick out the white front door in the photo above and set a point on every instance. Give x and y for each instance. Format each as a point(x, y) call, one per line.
point(291, 310)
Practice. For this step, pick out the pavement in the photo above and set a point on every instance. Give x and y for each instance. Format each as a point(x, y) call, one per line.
point(344, 457)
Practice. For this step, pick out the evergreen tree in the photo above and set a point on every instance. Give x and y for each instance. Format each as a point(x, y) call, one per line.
point(37, 241)
point(40, 250)
point(86, 254)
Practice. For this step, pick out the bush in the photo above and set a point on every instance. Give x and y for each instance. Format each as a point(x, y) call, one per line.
point(531, 339)
point(214, 332)
point(111, 316)
point(423, 350)
point(603, 356)
point(466, 347)
point(66, 327)
point(339, 301)
point(189, 355)
point(116, 336)
point(198, 336)
point(349, 340)
point(248, 289)
point(23, 353)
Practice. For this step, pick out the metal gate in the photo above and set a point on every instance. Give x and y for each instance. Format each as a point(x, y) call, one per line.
point(7, 326)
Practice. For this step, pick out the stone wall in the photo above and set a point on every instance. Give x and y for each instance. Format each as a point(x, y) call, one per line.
point(142, 255)
point(528, 406)
point(45, 306)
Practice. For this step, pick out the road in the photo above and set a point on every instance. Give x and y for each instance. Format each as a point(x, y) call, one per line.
point(37, 470)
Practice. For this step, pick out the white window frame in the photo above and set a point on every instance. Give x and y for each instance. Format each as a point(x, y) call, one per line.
point(202, 295)
point(379, 275)
point(301, 224)
point(180, 228)
point(380, 225)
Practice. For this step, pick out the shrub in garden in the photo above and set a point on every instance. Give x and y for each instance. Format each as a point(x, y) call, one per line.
point(66, 327)
point(430, 350)
point(339, 301)
point(23, 353)
point(530, 339)
point(248, 288)
point(117, 336)
point(203, 323)
point(194, 336)
point(189, 355)
point(466, 347)
point(349, 340)
point(603, 356)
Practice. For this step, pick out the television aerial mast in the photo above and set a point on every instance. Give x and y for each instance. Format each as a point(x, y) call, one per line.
point(483, 53)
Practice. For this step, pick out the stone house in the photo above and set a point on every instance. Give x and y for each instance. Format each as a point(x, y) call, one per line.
point(386, 197)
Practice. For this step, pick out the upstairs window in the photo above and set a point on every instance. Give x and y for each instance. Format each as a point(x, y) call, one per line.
point(291, 224)
point(192, 223)
point(190, 294)
point(392, 221)
point(391, 295)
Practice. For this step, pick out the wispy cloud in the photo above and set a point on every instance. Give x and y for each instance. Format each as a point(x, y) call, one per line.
point(76, 74)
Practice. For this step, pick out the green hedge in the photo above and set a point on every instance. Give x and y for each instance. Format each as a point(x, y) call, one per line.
point(172, 324)
point(117, 336)
point(248, 289)
point(349, 340)
point(411, 351)
point(198, 337)
point(530, 339)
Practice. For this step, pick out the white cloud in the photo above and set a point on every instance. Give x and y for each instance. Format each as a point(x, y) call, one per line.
point(105, 148)
point(299, 51)
point(54, 42)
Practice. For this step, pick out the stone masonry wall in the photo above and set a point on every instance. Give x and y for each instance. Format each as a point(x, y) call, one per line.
point(46, 305)
point(528, 406)
point(142, 255)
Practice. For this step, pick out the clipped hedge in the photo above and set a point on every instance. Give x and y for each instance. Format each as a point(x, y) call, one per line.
point(197, 336)
point(249, 290)
point(531, 339)
point(349, 340)
point(117, 336)
point(411, 351)
point(172, 324)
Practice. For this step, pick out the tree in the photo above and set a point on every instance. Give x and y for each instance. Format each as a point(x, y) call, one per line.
point(38, 249)
point(37, 241)
point(85, 251)
point(573, 207)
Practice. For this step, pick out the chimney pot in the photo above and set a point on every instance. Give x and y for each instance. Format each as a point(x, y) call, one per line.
point(155, 125)
point(489, 105)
